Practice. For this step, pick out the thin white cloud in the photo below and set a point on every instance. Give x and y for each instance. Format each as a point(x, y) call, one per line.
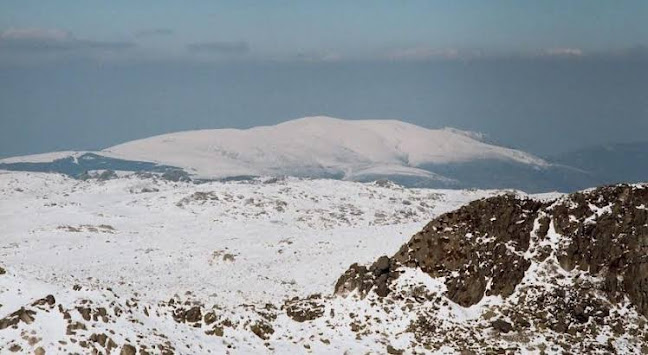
point(35, 34)
point(52, 40)
point(219, 47)
point(564, 52)
point(429, 53)
point(154, 32)
point(319, 57)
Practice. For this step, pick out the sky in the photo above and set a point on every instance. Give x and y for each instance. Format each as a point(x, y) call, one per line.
point(546, 76)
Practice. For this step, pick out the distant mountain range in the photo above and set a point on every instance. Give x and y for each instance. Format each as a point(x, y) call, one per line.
point(357, 150)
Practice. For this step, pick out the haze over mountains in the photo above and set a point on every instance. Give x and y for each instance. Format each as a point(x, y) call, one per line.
point(611, 163)
point(356, 150)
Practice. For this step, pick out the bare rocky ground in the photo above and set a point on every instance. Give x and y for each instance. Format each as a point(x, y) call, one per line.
point(502, 274)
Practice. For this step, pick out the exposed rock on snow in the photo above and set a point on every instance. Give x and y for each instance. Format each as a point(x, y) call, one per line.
point(569, 274)
point(478, 249)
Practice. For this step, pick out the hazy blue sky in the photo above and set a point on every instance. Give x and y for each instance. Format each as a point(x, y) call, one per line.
point(545, 76)
point(340, 29)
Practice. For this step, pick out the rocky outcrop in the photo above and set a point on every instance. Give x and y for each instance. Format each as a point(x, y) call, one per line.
point(363, 279)
point(486, 247)
point(478, 249)
point(571, 266)
point(605, 233)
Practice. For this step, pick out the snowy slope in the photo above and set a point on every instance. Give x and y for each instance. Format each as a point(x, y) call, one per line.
point(41, 158)
point(143, 265)
point(133, 244)
point(317, 146)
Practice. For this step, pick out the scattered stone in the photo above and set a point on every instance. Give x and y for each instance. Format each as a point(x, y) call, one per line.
point(15, 348)
point(304, 310)
point(193, 315)
point(392, 350)
point(502, 325)
point(209, 318)
point(217, 331)
point(85, 313)
point(48, 300)
point(128, 349)
point(73, 326)
point(262, 329)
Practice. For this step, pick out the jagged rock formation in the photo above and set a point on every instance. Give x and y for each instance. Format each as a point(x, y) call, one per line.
point(477, 246)
point(576, 268)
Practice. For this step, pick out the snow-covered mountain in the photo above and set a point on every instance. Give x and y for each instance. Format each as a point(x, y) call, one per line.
point(357, 150)
point(316, 146)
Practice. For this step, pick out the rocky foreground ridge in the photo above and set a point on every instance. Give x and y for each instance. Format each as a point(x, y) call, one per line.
point(565, 275)
point(506, 274)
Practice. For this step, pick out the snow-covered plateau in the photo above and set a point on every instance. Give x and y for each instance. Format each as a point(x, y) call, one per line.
point(233, 245)
point(132, 263)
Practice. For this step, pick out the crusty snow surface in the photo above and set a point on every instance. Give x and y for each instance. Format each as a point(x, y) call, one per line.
point(317, 146)
point(129, 245)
